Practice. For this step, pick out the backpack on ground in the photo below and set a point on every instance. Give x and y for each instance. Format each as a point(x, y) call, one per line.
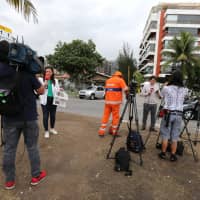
point(122, 160)
point(9, 92)
point(180, 148)
point(134, 142)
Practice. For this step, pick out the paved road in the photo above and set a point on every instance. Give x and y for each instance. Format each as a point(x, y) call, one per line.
point(94, 108)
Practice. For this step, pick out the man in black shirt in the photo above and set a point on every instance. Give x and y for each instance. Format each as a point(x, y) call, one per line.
point(25, 121)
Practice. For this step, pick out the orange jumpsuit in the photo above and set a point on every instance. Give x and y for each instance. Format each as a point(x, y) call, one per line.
point(113, 98)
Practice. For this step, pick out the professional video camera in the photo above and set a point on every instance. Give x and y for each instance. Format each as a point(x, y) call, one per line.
point(133, 87)
point(23, 56)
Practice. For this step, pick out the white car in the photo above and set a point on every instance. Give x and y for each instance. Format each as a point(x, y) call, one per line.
point(92, 92)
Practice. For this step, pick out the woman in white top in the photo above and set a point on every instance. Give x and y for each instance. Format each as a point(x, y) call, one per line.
point(47, 100)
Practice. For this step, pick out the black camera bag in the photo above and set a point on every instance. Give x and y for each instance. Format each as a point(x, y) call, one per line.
point(134, 142)
point(9, 92)
point(122, 160)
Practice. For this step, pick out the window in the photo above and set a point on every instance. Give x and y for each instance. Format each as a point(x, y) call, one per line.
point(100, 89)
point(171, 19)
point(176, 31)
point(153, 24)
point(189, 19)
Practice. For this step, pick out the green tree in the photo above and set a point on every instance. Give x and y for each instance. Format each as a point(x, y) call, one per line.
point(126, 62)
point(25, 7)
point(78, 58)
point(183, 56)
point(139, 78)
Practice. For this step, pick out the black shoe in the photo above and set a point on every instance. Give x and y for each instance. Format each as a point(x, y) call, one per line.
point(173, 158)
point(162, 155)
point(143, 128)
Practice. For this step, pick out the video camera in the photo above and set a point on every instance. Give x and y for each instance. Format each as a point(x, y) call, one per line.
point(133, 86)
point(22, 56)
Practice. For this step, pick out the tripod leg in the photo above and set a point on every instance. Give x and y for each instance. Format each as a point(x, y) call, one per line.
point(198, 125)
point(185, 126)
point(137, 126)
point(147, 138)
point(191, 145)
point(118, 126)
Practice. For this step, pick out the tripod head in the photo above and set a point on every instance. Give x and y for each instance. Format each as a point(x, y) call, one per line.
point(132, 87)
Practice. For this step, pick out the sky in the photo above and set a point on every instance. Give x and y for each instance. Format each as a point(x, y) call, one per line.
point(108, 23)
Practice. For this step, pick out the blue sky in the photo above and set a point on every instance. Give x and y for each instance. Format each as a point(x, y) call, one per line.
point(109, 23)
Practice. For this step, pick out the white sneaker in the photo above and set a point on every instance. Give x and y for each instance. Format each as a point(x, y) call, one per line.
point(46, 134)
point(53, 131)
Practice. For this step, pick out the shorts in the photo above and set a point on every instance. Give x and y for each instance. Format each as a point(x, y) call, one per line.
point(173, 130)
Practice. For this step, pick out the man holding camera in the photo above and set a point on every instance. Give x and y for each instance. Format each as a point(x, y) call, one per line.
point(113, 98)
point(151, 93)
point(23, 121)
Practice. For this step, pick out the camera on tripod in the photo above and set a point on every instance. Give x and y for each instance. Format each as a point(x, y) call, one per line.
point(133, 86)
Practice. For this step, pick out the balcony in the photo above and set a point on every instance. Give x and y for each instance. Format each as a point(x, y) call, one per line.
point(145, 68)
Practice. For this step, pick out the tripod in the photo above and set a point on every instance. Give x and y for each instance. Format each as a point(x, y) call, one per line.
point(131, 101)
point(185, 128)
point(198, 124)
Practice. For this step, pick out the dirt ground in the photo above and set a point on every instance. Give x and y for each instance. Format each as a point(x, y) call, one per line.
point(77, 168)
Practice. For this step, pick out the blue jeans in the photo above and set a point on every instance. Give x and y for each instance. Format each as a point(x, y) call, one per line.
point(12, 132)
point(49, 109)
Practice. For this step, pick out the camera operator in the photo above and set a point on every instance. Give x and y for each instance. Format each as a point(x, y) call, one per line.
point(174, 94)
point(24, 121)
point(113, 98)
point(151, 93)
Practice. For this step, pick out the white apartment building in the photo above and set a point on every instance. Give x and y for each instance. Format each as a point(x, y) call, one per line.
point(165, 21)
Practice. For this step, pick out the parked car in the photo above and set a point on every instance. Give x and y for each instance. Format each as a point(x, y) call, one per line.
point(92, 92)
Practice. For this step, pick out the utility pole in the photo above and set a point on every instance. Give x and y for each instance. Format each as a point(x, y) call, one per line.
point(128, 74)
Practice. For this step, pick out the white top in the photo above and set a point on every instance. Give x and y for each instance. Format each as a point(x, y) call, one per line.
point(151, 93)
point(55, 89)
point(174, 97)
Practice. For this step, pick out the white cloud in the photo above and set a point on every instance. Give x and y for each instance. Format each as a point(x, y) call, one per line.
point(108, 23)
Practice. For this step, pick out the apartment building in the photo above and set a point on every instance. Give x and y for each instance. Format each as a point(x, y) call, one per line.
point(108, 67)
point(165, 21)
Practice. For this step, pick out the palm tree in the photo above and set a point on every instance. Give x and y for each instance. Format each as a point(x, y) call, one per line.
point(182, 55)
point(126, 62)
point(25, 7)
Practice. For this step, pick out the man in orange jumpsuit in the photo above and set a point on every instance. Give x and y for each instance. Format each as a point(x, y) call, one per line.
point(113, 98)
